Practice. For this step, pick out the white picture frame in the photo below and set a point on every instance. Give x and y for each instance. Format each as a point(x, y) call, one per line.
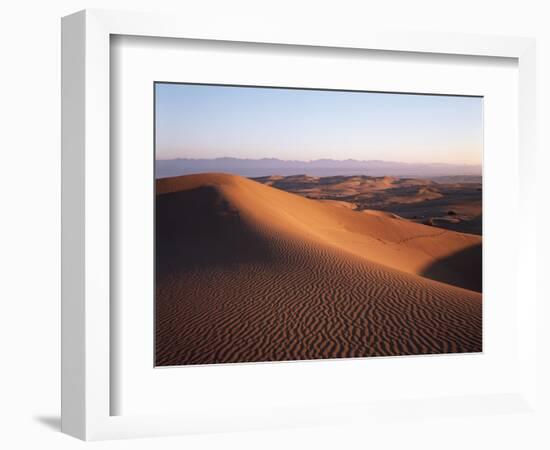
point(86, 221)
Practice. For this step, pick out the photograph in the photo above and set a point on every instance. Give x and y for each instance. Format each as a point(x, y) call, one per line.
point(300, 224)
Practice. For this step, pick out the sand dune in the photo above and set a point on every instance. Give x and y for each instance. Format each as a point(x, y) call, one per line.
point(422, 195)
point(247, 272)
point(416, 199)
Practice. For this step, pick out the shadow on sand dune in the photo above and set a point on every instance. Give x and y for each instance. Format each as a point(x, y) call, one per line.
point(462, 269)
point(198, 228)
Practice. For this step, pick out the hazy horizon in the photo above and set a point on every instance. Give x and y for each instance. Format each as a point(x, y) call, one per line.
point(298, 160)
point(321, 167)
point(213, 121)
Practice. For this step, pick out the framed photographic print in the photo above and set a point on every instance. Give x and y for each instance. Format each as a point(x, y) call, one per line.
point(266, 228)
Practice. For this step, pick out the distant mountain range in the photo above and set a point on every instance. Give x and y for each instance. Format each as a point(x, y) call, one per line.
point(318, 167)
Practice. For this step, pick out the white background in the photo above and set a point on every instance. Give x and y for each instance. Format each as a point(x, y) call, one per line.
point(29, 291)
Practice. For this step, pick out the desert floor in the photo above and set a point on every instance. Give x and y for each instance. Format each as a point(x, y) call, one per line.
point(453, 203)
point(248, 272)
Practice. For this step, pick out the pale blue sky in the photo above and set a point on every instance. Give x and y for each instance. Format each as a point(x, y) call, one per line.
point(196, 121)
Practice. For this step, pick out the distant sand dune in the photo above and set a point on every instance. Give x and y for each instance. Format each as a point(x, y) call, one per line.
point(421, 200)
point(247, 272)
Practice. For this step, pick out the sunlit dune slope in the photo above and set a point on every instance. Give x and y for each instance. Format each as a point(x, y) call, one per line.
point(246, 272)
point(399, 244)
